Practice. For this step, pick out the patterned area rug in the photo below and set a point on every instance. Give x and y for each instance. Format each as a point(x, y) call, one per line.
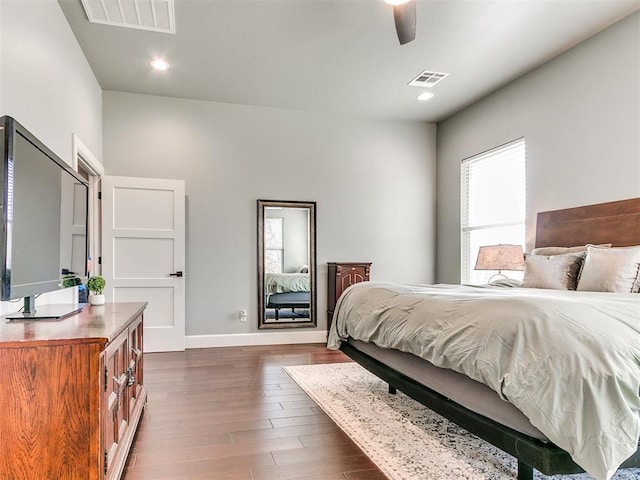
point(404, 439)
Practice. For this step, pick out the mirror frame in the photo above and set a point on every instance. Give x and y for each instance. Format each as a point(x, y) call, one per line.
point(262, 205)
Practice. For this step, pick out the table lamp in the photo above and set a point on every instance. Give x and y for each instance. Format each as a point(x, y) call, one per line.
point(500, 257)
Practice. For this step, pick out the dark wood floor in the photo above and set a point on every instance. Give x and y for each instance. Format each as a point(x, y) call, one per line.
point(234, 414)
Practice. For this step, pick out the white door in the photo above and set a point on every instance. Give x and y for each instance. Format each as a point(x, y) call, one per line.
point(143, 253)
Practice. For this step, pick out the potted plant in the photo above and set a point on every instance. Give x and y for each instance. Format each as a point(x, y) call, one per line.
point(95, 285)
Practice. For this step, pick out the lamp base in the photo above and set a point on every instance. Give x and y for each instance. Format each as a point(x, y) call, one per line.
point(497, 275)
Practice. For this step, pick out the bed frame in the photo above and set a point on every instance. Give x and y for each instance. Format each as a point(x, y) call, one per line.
point(614, 222)
point(289, 300)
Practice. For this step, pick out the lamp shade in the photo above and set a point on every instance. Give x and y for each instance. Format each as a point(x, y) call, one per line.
point(500, 257)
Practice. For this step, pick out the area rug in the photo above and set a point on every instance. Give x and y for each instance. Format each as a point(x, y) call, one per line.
point(403, 438)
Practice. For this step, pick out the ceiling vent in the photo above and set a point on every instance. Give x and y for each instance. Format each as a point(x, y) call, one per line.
point(428, 79)
point(154, 15)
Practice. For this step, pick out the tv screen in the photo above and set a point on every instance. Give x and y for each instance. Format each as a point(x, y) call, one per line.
point(44, 216)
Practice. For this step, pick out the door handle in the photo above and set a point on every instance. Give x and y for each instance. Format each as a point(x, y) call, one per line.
point(177, 274)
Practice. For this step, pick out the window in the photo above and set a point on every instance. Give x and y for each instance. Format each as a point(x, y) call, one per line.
point(492, 205)
point(273, 244)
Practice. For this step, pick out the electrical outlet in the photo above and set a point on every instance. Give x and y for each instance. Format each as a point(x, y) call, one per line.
point(242, 315)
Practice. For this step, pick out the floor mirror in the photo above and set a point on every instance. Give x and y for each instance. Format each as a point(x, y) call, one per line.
point(286, 264)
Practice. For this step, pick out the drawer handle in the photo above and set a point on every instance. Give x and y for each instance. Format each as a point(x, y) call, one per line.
point(131, 377)
point(120, 381)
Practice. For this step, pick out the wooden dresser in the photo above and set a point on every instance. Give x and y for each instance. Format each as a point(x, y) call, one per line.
point(341, 276)
point(72, 393)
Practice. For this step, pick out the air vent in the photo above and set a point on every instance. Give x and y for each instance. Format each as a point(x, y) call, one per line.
point(428, 79)
point(154, 15)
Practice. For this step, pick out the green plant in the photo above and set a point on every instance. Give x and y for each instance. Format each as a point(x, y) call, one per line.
point(70, 281)
point(96, 284)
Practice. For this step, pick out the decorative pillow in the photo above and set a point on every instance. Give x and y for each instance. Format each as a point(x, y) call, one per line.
point(557, 272)
point(611, 270)
point(564, 250)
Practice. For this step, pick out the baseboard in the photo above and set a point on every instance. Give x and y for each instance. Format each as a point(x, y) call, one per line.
point(260, 338)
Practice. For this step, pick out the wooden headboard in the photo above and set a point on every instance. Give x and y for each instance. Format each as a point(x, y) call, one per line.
point(613, 222)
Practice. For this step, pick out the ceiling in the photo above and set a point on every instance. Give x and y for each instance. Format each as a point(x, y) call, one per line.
point(339, 55)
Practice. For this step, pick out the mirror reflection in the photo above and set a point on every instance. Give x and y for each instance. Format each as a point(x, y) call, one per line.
point(286, 264)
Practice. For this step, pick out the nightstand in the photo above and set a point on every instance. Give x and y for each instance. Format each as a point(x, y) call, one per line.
point(341, 276)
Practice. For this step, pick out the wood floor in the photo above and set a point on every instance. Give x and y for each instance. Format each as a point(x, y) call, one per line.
point(234, 414)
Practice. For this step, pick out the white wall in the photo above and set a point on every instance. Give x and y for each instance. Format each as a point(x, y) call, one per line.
point(47, 85)
point(580, 116)
point(45, 81)
point(374, 184)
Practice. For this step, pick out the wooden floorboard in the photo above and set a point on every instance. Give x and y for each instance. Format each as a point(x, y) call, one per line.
point(233, 414)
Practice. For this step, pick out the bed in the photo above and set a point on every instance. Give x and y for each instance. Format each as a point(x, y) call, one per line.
point(290, 292)
point(496, 414)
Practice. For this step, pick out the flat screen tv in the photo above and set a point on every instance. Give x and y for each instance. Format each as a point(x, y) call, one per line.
point(44, 221)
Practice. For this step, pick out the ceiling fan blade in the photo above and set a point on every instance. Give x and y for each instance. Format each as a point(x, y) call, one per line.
point(404, 16)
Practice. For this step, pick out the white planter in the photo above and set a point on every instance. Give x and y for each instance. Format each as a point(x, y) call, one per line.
point(96, 299)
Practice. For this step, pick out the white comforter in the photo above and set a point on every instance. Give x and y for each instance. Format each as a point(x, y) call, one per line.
point(286, 282)
point(570, 361)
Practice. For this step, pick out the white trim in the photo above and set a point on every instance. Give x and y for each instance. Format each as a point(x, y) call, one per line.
point(262, 338)
point(82, 156)
point(89, 160)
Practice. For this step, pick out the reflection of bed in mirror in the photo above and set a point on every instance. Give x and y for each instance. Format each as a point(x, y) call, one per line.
point(288, 295)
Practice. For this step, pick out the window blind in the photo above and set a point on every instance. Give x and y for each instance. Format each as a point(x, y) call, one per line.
point(274, 244)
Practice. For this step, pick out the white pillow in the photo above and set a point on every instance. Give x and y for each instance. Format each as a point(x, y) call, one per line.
point(610, 270)
point(557, 272)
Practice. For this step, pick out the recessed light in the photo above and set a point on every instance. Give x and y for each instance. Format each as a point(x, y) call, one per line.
point(424, 96)
point(160, 64)
point(396, 2)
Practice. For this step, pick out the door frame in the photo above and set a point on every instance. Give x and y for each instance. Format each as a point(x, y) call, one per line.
point(82, 156)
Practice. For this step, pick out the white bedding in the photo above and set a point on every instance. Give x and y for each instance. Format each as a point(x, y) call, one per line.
point(570, 361)
point(286, 282)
